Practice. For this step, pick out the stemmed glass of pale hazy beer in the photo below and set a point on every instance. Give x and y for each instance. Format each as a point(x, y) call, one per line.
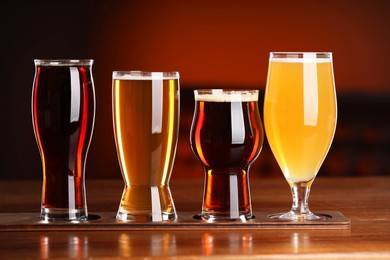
point(226, 137)
point(63, 114)
point(300, 114)
point(146, 121)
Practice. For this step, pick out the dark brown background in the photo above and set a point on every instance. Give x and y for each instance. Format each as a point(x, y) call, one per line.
point(212, 44)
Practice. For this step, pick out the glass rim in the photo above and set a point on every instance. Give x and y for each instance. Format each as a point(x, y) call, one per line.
point(145, 75)
point(300, 55)
point(63, 62)
point(224, 90)
point(226, 95)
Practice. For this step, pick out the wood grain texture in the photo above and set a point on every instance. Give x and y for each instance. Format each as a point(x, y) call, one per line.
point(186, 221)
point(364, 201)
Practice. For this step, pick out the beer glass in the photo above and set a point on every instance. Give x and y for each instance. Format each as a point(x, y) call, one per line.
point(63, 114)
point(300, 114)
point(226, 137)
point(146, 121)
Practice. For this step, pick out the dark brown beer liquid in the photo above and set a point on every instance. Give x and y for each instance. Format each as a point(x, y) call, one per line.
point(63, 115)
point(226, 137)
point(227, 193)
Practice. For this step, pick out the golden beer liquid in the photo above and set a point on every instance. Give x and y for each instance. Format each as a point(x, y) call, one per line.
point(300, 119)
point(146, 114)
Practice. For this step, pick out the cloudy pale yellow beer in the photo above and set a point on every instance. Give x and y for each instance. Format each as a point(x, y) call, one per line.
point(146, 118)
point(300, 114)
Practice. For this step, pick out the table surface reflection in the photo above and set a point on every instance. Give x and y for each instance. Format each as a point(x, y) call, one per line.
point(365, 201)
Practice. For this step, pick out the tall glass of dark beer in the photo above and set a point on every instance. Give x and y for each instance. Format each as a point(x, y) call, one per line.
point(226, 137)
point(146, 121)
point(63, 114)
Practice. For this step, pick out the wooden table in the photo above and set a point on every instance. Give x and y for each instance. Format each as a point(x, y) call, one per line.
point(364, 201)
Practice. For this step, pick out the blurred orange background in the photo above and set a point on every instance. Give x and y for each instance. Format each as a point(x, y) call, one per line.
point(227, 43)
point(213, 44)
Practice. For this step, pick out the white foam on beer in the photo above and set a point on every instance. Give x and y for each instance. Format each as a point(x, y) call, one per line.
point(307, 57)
point(231, 96)
point(63, 62)
point(123, 75)
point(301, 60)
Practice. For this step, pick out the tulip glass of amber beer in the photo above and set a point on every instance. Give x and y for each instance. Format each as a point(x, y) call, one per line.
point(226, 137)
point(300, 114)
point(146, 121)
point(63, 113)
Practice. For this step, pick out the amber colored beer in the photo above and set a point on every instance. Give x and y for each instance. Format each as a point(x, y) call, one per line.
point(226, 137)
point(146, 119)
point(63, 113)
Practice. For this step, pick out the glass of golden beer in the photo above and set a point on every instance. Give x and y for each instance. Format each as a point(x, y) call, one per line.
point(146, 121)
point(300, 114)
point(226, 137)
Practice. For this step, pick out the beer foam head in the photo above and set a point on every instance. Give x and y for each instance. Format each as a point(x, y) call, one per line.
point(301, 57)
point(221, 95)
point(63, 62)
point(144, 75)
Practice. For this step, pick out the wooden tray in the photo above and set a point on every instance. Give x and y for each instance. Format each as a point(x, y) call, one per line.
point(187, 221)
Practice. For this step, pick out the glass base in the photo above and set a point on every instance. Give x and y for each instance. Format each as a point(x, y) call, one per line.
point(63, 214)
point(211, 217)
point(146, 204)
point(127, 217)
point(292, 216)
point(226, 195)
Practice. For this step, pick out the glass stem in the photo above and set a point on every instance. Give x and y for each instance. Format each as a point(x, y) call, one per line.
point(300, 193)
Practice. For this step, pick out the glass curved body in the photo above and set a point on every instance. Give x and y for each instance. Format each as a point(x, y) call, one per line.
point(226, 137)
point(146, 121)
point(63, 113)
point(300, 114)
